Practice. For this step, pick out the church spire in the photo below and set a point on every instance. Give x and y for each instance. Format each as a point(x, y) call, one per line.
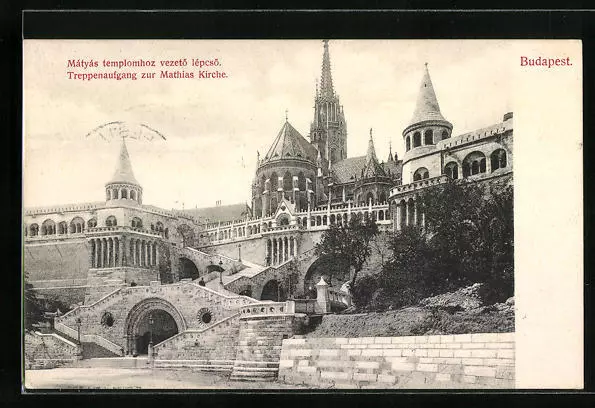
point(372, 167)
point(326, 79)
point(390, 151)
point(371, 154)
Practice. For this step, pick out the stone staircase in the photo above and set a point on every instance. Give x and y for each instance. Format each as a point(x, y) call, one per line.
point(113, 362)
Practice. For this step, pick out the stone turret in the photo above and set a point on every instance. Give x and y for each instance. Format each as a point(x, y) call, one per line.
point(123, 186)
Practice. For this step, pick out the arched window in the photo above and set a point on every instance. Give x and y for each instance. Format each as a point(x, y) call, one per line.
point(111, 221)
point(108, 194)
point(428, 137)
point(62, 228)
point(33, 230)
point(137, 223)
point(370, 198)
point(274, 182)
point(77, 225)
point(421, 173)
point(287, 182)
point(408, 143)
point(159, 226)
point(48, 227)
point(452, 170)
point(132, 195)
point(263, 180)
point(474, 163)
point(445, 134)
point(92, 223)
point(416, 139)
point(124, 193)
point(498, 159)
point(382, 198)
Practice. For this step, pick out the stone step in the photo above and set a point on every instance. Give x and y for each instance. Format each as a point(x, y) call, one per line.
point(264, 364)
point(113, 362)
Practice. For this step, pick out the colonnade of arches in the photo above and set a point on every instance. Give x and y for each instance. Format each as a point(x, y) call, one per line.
point(343, 218)
point(424, 138)
point(408, 213)
point(111, 252)
point(474, 163)
point(123, 193)
point(49, 227)
point(280, 250)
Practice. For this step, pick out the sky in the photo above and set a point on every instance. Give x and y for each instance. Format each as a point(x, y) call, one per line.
point(213, 128)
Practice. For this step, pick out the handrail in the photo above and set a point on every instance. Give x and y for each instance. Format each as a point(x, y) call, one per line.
point(54, 335)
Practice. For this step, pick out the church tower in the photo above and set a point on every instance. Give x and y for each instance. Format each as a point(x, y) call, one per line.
point(328, 131)
point(123, 185)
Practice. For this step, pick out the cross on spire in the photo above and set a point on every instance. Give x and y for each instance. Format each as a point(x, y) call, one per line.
point(286, 111)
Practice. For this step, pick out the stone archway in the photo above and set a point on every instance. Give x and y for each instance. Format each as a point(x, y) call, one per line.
point(331, 269)
point(188, 269)
point(167, 321)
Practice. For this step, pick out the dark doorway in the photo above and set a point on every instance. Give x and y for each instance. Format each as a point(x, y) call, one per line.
point(188, 269)
point(273, 291)
point(163, 327)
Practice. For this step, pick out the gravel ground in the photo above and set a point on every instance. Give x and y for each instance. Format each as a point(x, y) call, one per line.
point(126, 378)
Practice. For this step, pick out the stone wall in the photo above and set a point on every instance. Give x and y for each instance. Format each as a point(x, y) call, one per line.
point(484, 360)
point(47, 351)
point(214, 347)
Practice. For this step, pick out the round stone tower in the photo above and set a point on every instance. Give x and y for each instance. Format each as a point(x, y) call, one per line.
point(426, 128)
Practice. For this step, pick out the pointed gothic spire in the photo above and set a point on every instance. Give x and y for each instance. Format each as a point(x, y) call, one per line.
point(372, 168)
point(390, 151)
point(427, 107)
point(371, 154)
point(326, 79)
point(124, 172)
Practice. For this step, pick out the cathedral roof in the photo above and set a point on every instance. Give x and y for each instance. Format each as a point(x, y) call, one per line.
point(289, 143)
point(427, 107)
point(346, 171)
point(124, 172)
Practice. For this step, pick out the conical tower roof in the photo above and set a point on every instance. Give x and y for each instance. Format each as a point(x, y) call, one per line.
point(290, 144)
point(427, 108)
point(372, 167)
point(124, 173)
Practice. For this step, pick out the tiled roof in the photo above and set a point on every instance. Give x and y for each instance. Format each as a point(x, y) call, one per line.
point(393, 168)
point(346, 170)
point(220, 213)
point(289, 143)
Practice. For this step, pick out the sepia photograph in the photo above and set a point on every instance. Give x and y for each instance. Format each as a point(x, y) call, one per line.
point(272, 214)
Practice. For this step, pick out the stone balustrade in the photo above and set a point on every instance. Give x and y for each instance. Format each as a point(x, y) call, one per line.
point(417, 185)
point(264, 309)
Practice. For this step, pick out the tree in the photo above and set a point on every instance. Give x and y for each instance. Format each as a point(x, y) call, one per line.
point(468, 237)
point(347, 246)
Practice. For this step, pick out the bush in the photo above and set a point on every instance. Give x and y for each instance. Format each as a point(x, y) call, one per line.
point(442, 322)
point(363, 290)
